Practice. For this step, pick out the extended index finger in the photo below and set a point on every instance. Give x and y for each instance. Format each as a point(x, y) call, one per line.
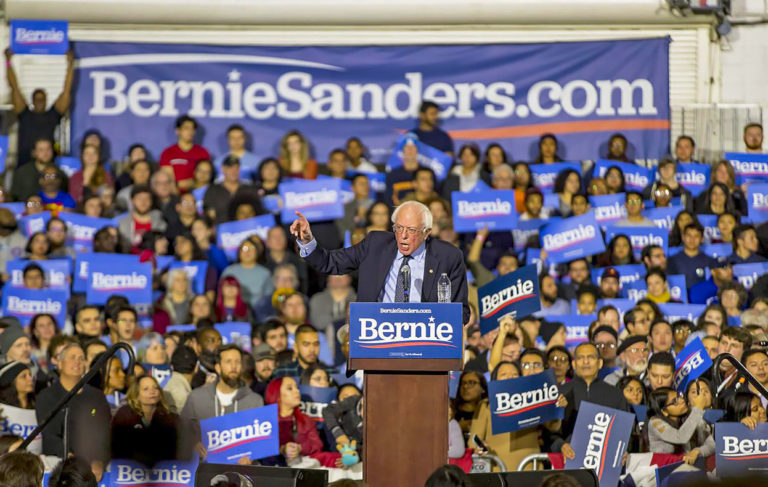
point(301, 217)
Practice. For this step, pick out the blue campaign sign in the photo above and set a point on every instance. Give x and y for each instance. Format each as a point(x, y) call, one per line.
point(81, 229)
point(623, 305)
point(374, 92)
point(712, 416)
point(544, 175)
point(524, 402)
point(692, 361)
point(748, 167)
point(636, 178)
point(17, 208)
point(69, 165)
point(84, 261)
point(600, 439)
point(717, 250)
point(638, 290)
point(377, 180)
point(196, 271)
point(678, 311)
point(639, 237)
point(129, 279)
point(757, 198)
point(231, 234)
point(693, 176)
point(529, 230)
point(428, 156)
point(58, 272)
point(576, 328)
point(480, 186)
point(199, 195)
point(161, 372)
point(252, 433)
point(26, 303)
point(319, 200)
point(494, 209)
point(740, 451)
point(663, 217)
point(628, 274)
point(235, 332)
point(572, 238)
point(3, 151)
point(39, 36)
point(181, 328)
point(514, 294)
point(315, 399)
point(711, 232)
point(405, 330)
point(608, 208)
point(127, 473)
point(34, 223)
point(748, 274)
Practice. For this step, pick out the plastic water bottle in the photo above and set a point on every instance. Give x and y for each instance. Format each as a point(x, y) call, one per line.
point(444, 289)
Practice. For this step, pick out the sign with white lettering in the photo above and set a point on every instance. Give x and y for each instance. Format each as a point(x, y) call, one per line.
point(608, 208)
point(134, 281)
point(405, 330)
point(21, 422)
point(693, 176)
point(692, 361)
point(58, 272)
point(427, 156)
point(319, 200)
point(544, 175)
point(252, 434)
point(494, 209)
point(515, 294)
point(757, 199)
point(315, 399)
point(636, 178)
point(39, 36)
point(235, 332)
point(523, 402)
point(749, 167)
point(572, 238)
point(230, 235)
point(740, 451)
point(639, 237)
point(24, 303)
point(127, 473)
point(600, 439)
point(81, 229)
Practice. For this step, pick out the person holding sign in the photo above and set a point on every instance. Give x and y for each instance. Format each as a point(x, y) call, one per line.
point(298, 433)
point(666, 429)
point(403, 266)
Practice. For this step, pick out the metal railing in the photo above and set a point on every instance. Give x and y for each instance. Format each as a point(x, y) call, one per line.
point(95, 367)
point(718, 376)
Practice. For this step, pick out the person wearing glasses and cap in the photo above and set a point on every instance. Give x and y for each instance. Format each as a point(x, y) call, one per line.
point(54, 199)
point(382, 256)
point(633, 352)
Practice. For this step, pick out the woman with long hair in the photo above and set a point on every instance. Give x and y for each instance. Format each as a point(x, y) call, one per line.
point(254, 278)
point(683, 219)
point(745, 407)
point(145, 430)
point(42, 328)
point(727, 222)
point(294, 156)
point(714, 313)
point(178, 294)
point(493, 157)
point(203, 233)
point(619, 252)
point(38, 246)
point(229, 303)
point(186, 249)
point(17, 386)
point(91, 177)
point(472, 390)
point(717, 200)
point(614, 180)
point(200, 308)
point(269, 175)
point(466, 174)
point(378, 218)
point(521, 183)
point(723, 172)
point(297, 432)
point(673, 424)
point(548, 146)
point(567, 184)
point(111, 380)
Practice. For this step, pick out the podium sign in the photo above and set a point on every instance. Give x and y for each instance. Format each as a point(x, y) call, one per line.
point(405, 331)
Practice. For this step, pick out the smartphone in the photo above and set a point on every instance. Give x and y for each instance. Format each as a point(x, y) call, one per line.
point(479, 443)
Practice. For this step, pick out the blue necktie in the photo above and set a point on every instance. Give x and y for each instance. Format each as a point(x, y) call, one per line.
point(401, 287)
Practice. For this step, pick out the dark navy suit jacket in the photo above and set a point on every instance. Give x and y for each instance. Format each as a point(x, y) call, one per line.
point(373, 257)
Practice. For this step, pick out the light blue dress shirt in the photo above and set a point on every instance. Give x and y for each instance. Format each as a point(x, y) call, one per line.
point(387, 295)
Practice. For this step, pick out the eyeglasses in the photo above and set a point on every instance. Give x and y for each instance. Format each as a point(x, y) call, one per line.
point(601, 346)
point(50, 177)
point(410, 231)
point(676, 400)
point(532, 366)
point(639, 350)
point(34, 204)
point(559, 360)
point(682, 331)
point(470, 383)
point(635, 202)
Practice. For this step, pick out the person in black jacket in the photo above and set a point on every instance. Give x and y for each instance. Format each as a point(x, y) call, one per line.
point(81, 428)
point(145, 430)
point(585, 386)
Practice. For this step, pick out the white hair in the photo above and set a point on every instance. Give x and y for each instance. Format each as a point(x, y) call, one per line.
point(425, 213)
point(503, 168)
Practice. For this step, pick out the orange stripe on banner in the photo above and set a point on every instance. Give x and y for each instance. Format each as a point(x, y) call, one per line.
point(559, 128)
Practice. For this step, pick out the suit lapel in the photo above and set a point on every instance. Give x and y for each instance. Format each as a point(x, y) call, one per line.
point(385, 263)
point(431, 267)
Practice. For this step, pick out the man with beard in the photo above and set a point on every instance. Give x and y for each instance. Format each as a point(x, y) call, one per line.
point(140, 220)
point(753, 138)
point(293, 314)
point(228, 394)
point(578, 271)
point(264, 359)
point(208, 340)
point(26, 179)
point(550, 303)
point(306, 351)
point(610, 284)
point(633, 353)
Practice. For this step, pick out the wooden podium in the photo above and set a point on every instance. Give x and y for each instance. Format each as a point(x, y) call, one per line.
point(405, 419)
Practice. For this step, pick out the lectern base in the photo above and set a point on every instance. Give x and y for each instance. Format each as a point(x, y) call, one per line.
point(405, 427)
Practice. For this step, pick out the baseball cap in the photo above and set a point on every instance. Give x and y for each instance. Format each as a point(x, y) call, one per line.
point(263, 351)
point(721, 262)
point(230, 161)
point(631, 340)
point(610, 272)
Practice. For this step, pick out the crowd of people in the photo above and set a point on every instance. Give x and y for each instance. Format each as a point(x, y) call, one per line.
point(171, 207)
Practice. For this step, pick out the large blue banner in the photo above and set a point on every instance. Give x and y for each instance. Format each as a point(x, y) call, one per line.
point(510, 93)
point(740, 451)
point(494, 209)
point(81, 229)
point(693, 176)
point(252, 433)
point(405, 330)
point(757, 197)
point(317, 200)
point(523, 402)
point(600, 439)
point(748, 167)
point(134, 281)
point(544, 175)
point(24, 304)
point(58, 272)
point(572, 238)
point(608, 208)
point(515, 294)
point(39, 36)
point(692, 361)
point(636, 178)
point(231, 234)
point(639, 237)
